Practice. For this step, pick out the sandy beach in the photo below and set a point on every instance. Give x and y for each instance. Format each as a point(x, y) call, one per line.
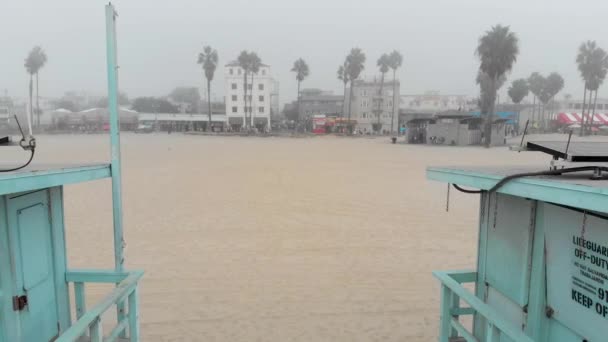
point(277, 239)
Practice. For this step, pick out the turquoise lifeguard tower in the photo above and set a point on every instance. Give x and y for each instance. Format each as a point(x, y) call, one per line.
point(35, 303)
point(542, 265)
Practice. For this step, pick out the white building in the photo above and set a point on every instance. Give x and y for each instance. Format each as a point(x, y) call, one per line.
point(262, 94)
point(434, 102)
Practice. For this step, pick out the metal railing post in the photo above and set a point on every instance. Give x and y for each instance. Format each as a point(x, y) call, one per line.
point(115, 167)
point(134, 316)
point(445, 326)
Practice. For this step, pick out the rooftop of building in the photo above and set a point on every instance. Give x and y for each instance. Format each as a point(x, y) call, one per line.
point(236, 64)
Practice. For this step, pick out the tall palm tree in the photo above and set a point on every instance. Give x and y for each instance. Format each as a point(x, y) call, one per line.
point(554, 84)
point(343, 76)
point(599, 67)
point(35, 60)
point(244, 61)
point(302, 71)
point(256, 64)
point(383, 64)
point(584, 62)
point(208, 59)
point(536, 82)
point(497, 51)
point(518, 90)
point(396, 60)
point(355, 62)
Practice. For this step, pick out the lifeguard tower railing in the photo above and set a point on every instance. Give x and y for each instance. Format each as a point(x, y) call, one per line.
point(89, 322)
point(451, 329)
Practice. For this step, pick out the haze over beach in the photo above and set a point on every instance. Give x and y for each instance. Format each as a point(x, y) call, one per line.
point(159, 41)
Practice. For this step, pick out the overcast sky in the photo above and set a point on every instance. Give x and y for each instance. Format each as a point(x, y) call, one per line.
point(159, 40)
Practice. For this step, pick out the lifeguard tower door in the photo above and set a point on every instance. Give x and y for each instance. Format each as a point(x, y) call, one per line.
point(34, 300)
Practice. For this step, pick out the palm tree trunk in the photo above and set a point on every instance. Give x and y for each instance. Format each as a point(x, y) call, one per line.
point(37, 103)
point(533, 107)
point(31, 94)
point(490, 115)
point(582, 129)
point(594, 105)
point(298, 111)
point(245, 99)
point(350, 107)
point(344, 102)
point(251, 103)
point(380, 102)
point(209, 103)
point(393, 108)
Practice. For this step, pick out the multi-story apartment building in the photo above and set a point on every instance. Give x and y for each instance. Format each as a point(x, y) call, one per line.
point(261, 95)
point(368, 103)
point(434, 102)
point(319, 102)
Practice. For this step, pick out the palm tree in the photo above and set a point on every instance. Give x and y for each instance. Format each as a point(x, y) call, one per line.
point(536, 83)
point(302, 71)
point(599, 68)
point(584, 61)
point(497, 51)
point(355, 62)
point(396, 60)
point(343, 76)
point(244, 61)
point(518, 90)
point(383, 63)
point(35, 60)
point(256, 64)
point(554, 84)
point(208, 59)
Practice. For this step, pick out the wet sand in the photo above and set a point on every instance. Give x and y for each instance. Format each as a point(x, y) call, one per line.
point(278, 239)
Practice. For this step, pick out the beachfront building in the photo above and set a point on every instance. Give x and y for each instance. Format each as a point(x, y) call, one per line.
point(6, 109)
point(262, 93)
point(435, 102)
point(319, 102)
point(368, 103)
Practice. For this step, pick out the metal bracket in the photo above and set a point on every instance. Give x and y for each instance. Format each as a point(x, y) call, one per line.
point(19, 303)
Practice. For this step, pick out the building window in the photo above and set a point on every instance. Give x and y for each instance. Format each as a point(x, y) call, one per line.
point(261, 98)
point(239, 71)
point(249, 86)
point(263, 71)
point(364, 115)
point(234, 97)
point(249, 97)
point(261, 109)
point(578, 106)
point(261, 86)
point(231, 71)
point(233, 85)
point(234, 109)
point(389, 104)
point(363, 92)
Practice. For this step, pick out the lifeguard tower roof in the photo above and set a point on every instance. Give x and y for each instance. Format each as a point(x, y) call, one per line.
point(573, 189)
point(41, 176)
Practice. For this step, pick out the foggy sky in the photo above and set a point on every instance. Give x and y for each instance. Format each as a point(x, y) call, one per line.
point(159, 40)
